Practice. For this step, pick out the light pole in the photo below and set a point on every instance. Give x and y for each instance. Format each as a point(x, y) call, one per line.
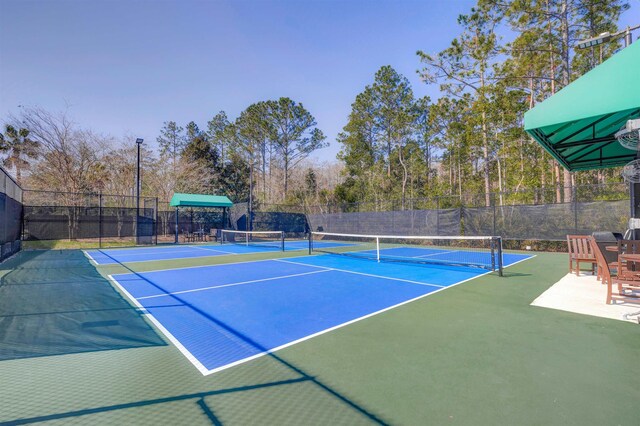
point(138, 143)
point(606, 37)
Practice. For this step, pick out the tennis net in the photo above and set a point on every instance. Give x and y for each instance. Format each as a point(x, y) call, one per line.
point(267, 239)
point(477, 252)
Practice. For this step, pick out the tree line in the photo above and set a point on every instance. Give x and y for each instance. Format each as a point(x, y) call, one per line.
point(509, 56)
point(471, 139)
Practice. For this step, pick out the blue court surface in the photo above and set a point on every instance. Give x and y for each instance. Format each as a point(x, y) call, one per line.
point(223, 315)
point(146, 254)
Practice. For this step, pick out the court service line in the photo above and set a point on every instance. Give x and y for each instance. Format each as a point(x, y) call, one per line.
point(206, 266)
point(231, 284)
point(214, 250)
point(362, 273)
point(435, 254)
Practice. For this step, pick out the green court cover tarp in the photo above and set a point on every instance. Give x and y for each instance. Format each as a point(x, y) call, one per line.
point(577, 125)
point(199, 200)
point(55, 302)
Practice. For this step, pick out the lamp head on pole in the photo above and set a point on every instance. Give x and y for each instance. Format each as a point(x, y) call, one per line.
point(139, 141)
point(600, 39)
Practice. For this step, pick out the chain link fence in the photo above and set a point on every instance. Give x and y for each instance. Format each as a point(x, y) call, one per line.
point(89, 218)
point(10, 215)
point(517, 216)
point(524, 215)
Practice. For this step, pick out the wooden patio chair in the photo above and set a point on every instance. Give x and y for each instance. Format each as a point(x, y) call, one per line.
point(187, 236)
point(580, 251)
point(628, 284)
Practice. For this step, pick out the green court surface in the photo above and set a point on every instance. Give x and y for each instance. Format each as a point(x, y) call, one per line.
point(73, 350)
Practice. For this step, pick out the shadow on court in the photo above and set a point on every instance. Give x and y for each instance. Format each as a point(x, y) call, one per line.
point(56, 303)
point(132, 387)
point(325, 398)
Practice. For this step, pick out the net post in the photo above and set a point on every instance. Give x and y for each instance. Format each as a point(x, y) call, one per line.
point(378, 248)
point(282, 240)
point(492, 247)
point(246, 237)
point(310, 242)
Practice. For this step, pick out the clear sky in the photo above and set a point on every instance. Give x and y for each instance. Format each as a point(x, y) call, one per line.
point(125, 67)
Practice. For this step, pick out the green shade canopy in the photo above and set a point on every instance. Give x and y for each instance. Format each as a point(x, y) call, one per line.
point(199, 200)
point(577, 125)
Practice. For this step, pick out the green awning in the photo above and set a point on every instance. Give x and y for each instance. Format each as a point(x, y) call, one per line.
point(577, 125)
point(199, 200)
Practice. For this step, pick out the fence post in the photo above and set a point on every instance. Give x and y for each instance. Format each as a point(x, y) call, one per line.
point(575, 208)
point(100, 219)
point(494, 214)
point(437, 215)
point(177, 223)
point(155, 226)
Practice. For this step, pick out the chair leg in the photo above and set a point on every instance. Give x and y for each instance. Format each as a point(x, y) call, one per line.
point(577, 268)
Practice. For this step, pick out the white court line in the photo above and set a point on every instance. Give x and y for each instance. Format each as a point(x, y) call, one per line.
point(205, 266)
point(214, 250)
point(362, 273)
point(435, 254)
point(201, 368)
point(91, 259)
point(531, 256)
point(231, 285)
point(116, 261)
point(241, 361)
point(205, 372)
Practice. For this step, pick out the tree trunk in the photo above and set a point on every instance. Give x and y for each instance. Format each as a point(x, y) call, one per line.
point(485, 154)
point(286, 177)
point(500, 180)
point(566, 76)
point(404, 175)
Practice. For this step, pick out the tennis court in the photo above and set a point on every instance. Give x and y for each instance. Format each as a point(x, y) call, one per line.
point(148, 254)
point(223, 315)
point(318, 339)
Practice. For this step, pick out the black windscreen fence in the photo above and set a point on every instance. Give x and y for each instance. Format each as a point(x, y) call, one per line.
point(550, 222)
point(77, 223)
point(592, 209)
point(107, 220)
point(10, 215)
point(111, 220)
point(404, 222)
point(289, 219)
